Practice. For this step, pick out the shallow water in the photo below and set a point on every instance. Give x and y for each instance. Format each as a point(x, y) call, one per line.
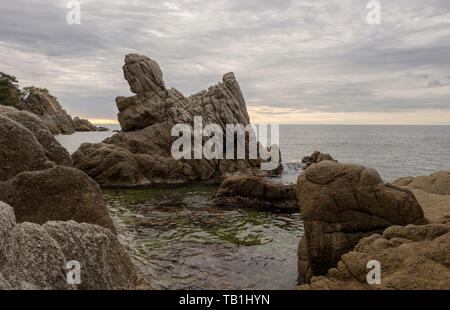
point(180, 240)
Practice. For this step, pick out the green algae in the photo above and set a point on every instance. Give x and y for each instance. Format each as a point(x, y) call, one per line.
point(179, 239)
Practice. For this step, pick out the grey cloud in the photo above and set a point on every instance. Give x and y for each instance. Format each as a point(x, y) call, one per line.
point(313, 55)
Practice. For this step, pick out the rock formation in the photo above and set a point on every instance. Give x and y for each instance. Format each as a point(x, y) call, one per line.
point(140, 155)
point(34, 183)
point(47, 107)
point(20, 150)
point(433, 194)
point(85, 125)
point(411, 258)
point(35, 256)
point(256, 192)
point(56, 194)
point(340, 204)
point(38, 234)
point(315, 158)
point(53, 150)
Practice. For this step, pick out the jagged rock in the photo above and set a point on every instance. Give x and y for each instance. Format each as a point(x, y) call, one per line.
point(56, 194)
point(35, 257)
point(433, 194)
point(53, 150)
point(341, 204)
point(256, 192)
point(20, 150)
point(315, 158)
point(411, 258)
point(48, 108)
point(140, 155)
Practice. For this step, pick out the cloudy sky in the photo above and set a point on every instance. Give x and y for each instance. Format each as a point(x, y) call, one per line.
point(296, 61)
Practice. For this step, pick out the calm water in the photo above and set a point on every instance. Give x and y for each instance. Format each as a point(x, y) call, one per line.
point(180, 240)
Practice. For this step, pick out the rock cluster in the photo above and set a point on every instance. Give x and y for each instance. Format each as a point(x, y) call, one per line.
point(47, 107)
point(51, 148)
point(411, 258)
point(256, 192)
point(41, 197)
point(140, 155)
point(36, 178)
point(315, 158)
point(341, 204)
point(35, 256)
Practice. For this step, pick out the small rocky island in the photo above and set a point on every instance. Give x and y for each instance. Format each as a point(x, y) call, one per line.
point(140, 155)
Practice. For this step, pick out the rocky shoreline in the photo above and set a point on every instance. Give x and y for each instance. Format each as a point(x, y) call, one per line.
point(52, 213)
point(52, 210)
point(39, 102)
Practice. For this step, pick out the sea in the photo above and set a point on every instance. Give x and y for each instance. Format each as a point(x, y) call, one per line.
point(179, 239)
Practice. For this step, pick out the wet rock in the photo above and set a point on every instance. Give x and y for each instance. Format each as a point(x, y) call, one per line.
point(411, 258)
point(315, 158)
point(140, 155)
point(56, 194)
point(256, 192)
point(341, 204)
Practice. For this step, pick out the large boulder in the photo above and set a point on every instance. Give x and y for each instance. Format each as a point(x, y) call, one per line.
point(35, 257)
point(29, 257)
point(256, 192)
point(140, 155)
point(54, 151)
point(20, 150)
point(411, 258)
point(38, 189)
point(340, 204)
point(56, 194)
point(433, 194)
point(104, 263)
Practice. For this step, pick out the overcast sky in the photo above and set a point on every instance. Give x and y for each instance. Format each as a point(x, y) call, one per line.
point(296, 61)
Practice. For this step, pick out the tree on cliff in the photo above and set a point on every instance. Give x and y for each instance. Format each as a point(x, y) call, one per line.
point(28, 90)
point(9, 90)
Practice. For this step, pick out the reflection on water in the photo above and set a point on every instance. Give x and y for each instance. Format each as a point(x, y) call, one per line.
point(180, 240)
point(73, 142)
